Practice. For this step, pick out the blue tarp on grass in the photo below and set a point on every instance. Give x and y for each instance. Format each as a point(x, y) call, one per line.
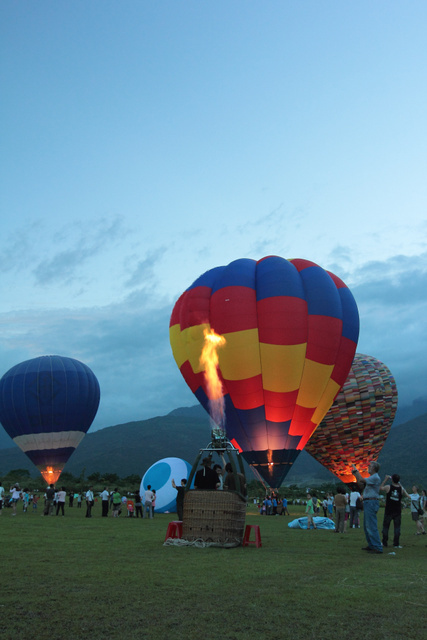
point(321, 523)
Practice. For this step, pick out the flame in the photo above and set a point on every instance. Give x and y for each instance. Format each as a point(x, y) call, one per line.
point(50, 475)
point(209, 361)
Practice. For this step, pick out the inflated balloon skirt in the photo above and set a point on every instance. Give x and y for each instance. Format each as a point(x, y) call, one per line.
point(213, 518)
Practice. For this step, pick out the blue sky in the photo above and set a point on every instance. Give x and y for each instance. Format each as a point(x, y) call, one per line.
point(143, 143)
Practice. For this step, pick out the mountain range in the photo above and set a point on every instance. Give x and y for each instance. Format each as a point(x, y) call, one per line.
point(131, 448)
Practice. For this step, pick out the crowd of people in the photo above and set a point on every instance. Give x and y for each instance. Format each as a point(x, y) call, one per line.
point(54, 501)
point(344, 507)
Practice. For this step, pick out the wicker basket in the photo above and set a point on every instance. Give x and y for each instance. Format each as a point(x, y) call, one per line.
point(216, 517)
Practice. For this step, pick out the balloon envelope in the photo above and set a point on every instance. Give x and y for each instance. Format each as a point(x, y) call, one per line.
point(159, 476)
point(356, 426)
point(291, 331)
point(46, 406)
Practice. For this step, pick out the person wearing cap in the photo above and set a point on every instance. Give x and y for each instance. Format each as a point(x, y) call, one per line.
point(371, 504)
point(206, 478)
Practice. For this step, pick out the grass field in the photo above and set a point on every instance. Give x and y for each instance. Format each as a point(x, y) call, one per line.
point(102, 578)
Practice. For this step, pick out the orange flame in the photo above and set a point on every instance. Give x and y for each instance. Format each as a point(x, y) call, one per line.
point(209, 360)
point(50, 475)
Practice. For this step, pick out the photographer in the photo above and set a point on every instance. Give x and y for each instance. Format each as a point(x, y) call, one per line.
point(371, 504)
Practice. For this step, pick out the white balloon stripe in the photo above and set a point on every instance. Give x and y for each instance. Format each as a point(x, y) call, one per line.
point(43, 441)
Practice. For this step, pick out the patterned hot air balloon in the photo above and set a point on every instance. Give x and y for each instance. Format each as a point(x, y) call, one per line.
point(291, 330)
point(356, 426)
point(46, 406)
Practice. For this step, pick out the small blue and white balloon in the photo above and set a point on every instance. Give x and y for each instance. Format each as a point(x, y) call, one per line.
point(159, 476)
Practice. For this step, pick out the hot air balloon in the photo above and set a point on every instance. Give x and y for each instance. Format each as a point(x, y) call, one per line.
point(356, 426)
point(290, 330)
point(46, 406)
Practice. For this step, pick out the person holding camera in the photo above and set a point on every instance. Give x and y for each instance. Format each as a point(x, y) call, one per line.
point(371, 504)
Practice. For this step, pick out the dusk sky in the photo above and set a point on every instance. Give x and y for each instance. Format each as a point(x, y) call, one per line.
point(143, 143)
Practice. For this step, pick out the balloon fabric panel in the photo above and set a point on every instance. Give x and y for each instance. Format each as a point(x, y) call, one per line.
point(285, 349)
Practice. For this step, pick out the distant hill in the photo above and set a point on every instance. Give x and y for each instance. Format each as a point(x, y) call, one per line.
point(133, 447)
point(405, 452)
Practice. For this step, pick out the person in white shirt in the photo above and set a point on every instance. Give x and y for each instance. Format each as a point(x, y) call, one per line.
point(105, 497)
point(354, 511)
point(16, 494)
point(89, 502)
point(415, 511)
point(60, 500)
point(148, 502)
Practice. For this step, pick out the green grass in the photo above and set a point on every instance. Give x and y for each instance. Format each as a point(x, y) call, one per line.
point(75, 578)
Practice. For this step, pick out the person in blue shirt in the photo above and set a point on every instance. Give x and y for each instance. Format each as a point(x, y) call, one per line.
point(371, 504)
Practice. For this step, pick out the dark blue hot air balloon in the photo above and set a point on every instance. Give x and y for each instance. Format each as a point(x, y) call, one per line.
point(47, 404)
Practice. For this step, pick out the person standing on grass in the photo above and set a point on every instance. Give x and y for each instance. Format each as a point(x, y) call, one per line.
point(309, 511)
point(393, 508)
point(138, 503)
point(16, 494)
point(423, 503)
point(117, 503)
point(89, 502)
point(330, 503)
point(153, 505)
point(180, 497)
point(371, 504)
point(60, 501)
point(325, 507)
point(25, 500)
point(49, 496)
point(340, 502)
point(148, 501)
point(415, 507)
point(1, 497)
point(105, 498)
point(354, 511)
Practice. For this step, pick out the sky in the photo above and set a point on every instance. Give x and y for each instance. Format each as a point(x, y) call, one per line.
point(143, 143)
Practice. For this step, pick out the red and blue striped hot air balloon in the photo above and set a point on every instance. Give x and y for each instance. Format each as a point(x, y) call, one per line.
point(291, 331)
point(47, 404)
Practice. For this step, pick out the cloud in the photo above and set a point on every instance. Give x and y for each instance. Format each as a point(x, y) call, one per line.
point(393, 307)
point(19, 248)
point(127, 343)
point(144, 272)
point(401, 280)
point(87, 241)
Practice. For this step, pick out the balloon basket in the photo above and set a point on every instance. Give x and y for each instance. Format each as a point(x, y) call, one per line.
point(214, 517)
